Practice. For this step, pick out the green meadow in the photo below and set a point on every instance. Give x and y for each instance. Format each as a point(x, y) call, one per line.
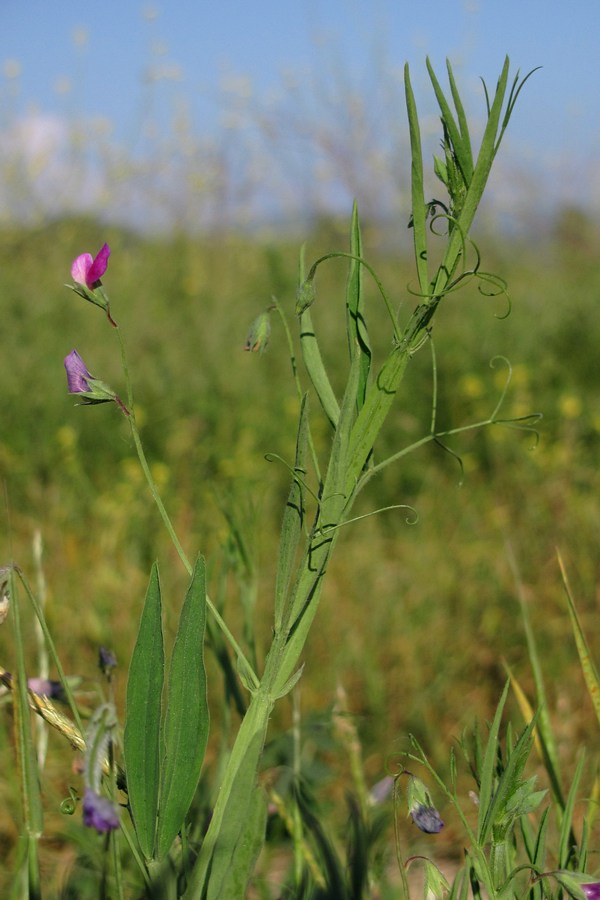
point(421, 613)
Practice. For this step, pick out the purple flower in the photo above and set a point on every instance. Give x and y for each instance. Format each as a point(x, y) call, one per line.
point(77, 373)
point(99, 812)
point(82, 382)
point(107, 660)
point(46, 687)
point(592, 891)
point(381, 790)
point(427, 818)
point(88, 271)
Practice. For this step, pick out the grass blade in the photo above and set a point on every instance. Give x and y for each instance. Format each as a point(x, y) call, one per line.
point(587, 664)
point(567, 842)
point(488, 768)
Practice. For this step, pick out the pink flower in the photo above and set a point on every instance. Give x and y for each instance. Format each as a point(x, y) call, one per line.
point(591, 891)
point(88, 271)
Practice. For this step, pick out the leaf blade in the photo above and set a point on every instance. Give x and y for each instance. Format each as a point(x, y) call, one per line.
point(185, 728)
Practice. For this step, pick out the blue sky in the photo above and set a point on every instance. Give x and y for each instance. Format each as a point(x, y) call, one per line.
point(91, 61)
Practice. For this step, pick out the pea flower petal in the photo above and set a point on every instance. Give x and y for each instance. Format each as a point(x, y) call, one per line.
point(77, 373)
point(88, 271)
point(591, 891)
point(427, 818)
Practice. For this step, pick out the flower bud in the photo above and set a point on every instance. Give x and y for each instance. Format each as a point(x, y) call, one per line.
point(421, 808)
point(259, 334)
point(79, 381)
point(305, 295)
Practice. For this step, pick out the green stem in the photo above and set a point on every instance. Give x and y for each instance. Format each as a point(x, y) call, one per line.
point(130, 411)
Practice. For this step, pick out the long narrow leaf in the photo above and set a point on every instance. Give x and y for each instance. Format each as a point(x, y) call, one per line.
point(357, 326)
point(185, 730)
point(315, 367)
point(460, 146)
point(567, 841)
point(486, 787)
point(462, 122)
point(588, 667)
point(419, 212)
point(293, 518)
point(231, 813)
point(546, 743)
point(247, 849)
point(142, 724)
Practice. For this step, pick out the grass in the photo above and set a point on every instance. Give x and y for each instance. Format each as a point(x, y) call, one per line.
point(417, 620)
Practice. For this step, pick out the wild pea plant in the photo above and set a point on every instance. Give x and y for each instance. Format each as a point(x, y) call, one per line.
point(141, 791)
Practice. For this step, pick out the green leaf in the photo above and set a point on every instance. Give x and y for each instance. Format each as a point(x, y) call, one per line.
point(547, 743)
point(419, 210)
point(185, 730)
point(142, 724)
point(457, 132)
point(293, 518)
point(586, 662)
point(315, 367)
point(357, 326)
point(248, 848)
point(487, 772)
point(219, 864)
point(567, 840)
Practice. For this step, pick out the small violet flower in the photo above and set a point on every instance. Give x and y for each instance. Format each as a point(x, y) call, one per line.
point(80, 381)
point(87, 270)
point(107, 661)
point(427, 818)
point(77, 373)
point(420, 806)
point(591, 891)
point(99, 812)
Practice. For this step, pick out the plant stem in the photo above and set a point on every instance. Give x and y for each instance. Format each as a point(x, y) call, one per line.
point(131, 418)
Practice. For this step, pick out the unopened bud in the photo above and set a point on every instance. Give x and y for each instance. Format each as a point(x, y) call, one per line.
point(305, 295)
point(259, 334)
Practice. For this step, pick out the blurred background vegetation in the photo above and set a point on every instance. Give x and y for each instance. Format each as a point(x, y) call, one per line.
point(417, 620)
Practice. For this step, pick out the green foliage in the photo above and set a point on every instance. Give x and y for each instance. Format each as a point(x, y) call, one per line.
point(435, 614)
point(164, 748)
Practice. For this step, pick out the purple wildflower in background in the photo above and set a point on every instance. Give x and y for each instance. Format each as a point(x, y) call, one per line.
point(77, 373)
point(99, 812)
point(106, 660)
point(47, 688)
point(591, 891)
point(87, 270)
